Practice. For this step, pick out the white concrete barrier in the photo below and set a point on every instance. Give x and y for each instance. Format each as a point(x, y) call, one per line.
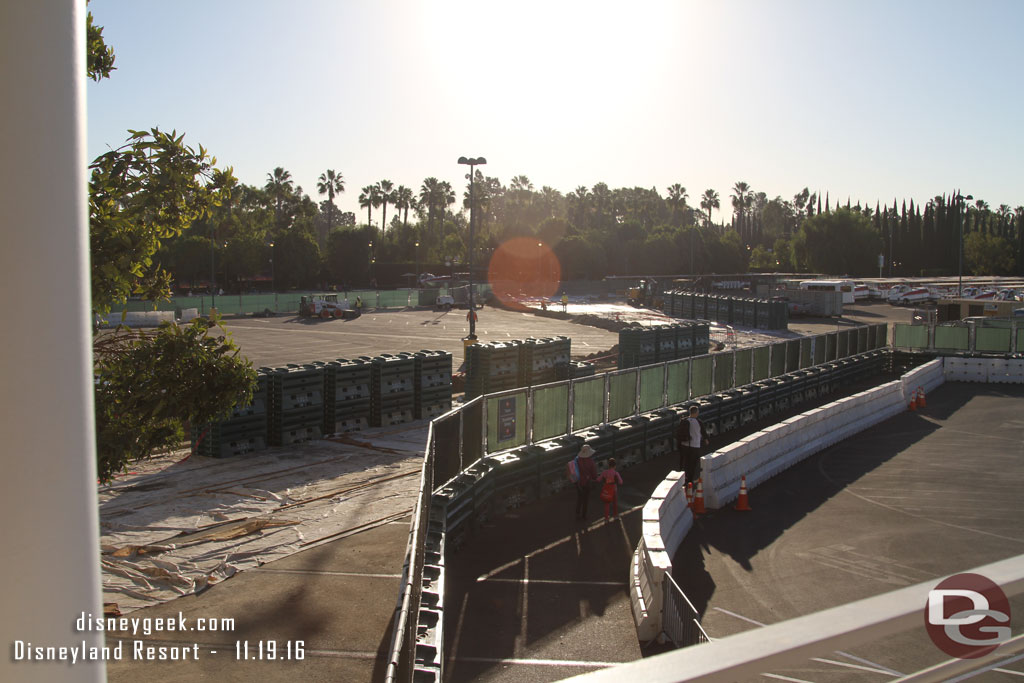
point(764, 454)
point(189, 314)
point(666, 521)
point(986, 370)
point(141, 318)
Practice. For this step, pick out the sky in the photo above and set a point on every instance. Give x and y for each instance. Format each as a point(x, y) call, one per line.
point(867, 99)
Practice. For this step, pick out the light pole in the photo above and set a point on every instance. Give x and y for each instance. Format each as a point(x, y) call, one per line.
point(962, 200)
point(472, 308)
point(417, 265)
point(227, 280)
point(273, 279)
point(370, 245)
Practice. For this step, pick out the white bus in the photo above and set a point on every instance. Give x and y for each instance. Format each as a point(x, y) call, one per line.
point(844, 286)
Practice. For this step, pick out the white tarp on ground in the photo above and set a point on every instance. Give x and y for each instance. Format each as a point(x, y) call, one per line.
point(177, 524)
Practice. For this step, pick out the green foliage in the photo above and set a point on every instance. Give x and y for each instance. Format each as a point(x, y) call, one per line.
point(245, 257)
point(298, 260)
point(843, 242)
point(99, 55)
point(149, 190)
point(149, 385)
point(190, 259)
point(988, 254)
point(348, 255)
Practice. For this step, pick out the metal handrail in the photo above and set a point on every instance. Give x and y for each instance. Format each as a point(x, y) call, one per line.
point(791, 643)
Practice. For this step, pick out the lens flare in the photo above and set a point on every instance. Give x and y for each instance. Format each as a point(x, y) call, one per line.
point(524, 268)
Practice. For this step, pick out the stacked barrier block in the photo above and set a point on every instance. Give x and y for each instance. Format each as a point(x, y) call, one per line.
point(244, 432)
point(640, 346)
point(729, 310)
point(346, 395)
point(491, 367)
point(392, 390)
point(432, 383)
point(542, 361)
point(296, 404)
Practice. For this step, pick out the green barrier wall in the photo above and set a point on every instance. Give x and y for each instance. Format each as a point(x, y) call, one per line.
point(497, 421)
point(724, 371)
point(1020, 341)
point(843, 344)
point(762, 363)
point(550, 411)
point(652, 388)
point(744, 367)
point(778, 360)
point(952, 338)
point(830, 346)
point(819, 349)
point(862, 340)
point(992, 340)
point(792, 355)
point(806, 357)
point(587, 402)
point(700, 376)
point(910, 336)
point(621, 395)
point(678, 381)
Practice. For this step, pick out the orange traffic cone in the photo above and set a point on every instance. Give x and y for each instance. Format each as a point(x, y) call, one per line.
point(698, 501)
point(689, 495)
point(913, 401)
point(920, 397)
point(743, 503)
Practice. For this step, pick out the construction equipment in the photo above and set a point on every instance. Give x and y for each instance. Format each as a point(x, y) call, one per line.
point(326, 306)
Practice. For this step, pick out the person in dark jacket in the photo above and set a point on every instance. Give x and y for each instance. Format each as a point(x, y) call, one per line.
point(588, 474)
point(690, 437)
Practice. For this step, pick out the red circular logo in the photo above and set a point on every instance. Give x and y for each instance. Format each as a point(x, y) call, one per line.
point(967, 616)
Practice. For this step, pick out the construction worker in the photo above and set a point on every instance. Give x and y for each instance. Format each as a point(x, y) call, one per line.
point(565, 302)
point(471, 316)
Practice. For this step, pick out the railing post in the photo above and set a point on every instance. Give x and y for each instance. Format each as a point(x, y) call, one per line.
point(483, 427)
point(570, 418)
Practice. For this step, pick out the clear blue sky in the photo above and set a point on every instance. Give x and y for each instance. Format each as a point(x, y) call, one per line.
point(871, 99)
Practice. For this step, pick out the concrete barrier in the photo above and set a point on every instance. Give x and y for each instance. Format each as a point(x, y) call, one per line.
point(666, 521)
point(985, 370)
point(764, 454)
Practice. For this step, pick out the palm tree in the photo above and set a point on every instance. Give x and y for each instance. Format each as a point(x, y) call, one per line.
point(403, 200)
point(368, 200)
point(445, 198)
point(385, 190)
point(428, 198)
point(676, 199)
point(579, 198)
point(708, 201)
point(741, 195)
point(330, 183)
point(279, 186)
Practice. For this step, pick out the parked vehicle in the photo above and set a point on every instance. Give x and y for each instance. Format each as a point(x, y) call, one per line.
point(915, 295)
point(896, 292)
point(844, 286)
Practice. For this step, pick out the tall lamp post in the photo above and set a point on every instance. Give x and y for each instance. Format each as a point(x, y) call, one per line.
point(273, 279)
point(962, 200)
point(472, 163)
point(370, 245)
point(417, 265)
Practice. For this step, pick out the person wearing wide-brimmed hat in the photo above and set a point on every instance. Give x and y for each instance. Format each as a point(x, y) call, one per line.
point(588, 473)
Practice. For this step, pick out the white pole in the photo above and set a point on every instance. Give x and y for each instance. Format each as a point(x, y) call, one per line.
point(50, 571)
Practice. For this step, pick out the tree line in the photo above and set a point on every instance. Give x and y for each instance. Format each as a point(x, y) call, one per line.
point(278, 231)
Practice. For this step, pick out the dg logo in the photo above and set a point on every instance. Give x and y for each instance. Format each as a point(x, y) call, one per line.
point(967, 616)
